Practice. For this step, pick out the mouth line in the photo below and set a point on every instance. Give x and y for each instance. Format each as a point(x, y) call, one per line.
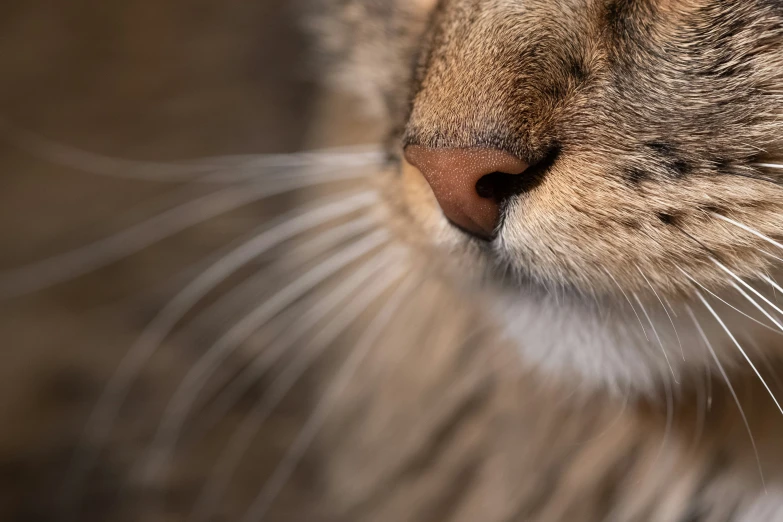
point(504, 270)
point(472, 236)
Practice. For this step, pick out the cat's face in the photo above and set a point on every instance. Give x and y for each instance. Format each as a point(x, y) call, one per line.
point(639, 128)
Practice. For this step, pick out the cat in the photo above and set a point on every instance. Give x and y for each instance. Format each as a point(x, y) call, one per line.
point(607, 172)
point(549, 297)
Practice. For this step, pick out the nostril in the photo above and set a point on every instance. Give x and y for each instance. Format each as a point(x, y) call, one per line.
point(498, 186)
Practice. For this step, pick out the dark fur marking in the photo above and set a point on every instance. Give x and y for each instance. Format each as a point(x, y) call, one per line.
point(661, 147)
point(680, 168)
point(618, 15)
point(668, 218)
point(677, 166)
point(722, 165)
point(556, 90)
point(578, 70)
point(634, 176)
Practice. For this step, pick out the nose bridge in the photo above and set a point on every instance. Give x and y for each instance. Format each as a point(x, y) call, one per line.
point(465, 97)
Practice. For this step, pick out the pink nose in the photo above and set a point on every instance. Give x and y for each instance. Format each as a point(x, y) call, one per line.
point(469, 184)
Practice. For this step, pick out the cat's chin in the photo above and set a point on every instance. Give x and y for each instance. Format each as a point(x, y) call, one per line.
point(606, 344)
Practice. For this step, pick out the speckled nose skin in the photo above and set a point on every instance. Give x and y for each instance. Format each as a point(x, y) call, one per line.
point(453, 174)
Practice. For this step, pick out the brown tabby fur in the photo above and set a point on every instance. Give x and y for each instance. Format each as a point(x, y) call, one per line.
point(443, 421)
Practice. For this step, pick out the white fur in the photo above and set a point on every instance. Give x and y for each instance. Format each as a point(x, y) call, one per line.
point(604, 344)
point(764, 508)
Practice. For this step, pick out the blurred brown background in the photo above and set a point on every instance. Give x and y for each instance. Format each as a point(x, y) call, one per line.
point(136, 79)
point(139, 79)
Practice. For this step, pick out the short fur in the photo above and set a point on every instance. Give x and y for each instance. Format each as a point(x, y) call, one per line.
point(662, 116)
point(660, 112)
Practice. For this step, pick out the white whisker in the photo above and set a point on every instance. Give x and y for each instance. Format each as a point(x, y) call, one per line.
point(219, 169)
point(709, 388)
point(274, 330)
point(83, 260)
point(657, 337)
point(669, 306)
point(665, 310)
point(243, 436)
point(773, 256)
point(305, 323)
point(772, 282)
point(769, 165)
point(611, 424)
point(701, 407)
point(327, 159)
point(249, 290)
point(306, 252)
point(739, 347)
point(667, 430)
point(770, 255)
point(102, 417)
point(757, 305)
point(749, 287)
point(748, 229)
point(630, 303)
point(159, 455)
point(716, 296)
point(725, 376)
point(269, 492)
point(767, 365)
